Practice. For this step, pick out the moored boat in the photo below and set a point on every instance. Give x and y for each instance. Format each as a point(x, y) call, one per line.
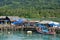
point(40, 31)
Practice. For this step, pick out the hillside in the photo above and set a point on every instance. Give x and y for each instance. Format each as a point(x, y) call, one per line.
point(30, 8)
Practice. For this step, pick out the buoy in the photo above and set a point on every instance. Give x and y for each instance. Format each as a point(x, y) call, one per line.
point(8, 32)
point(29, 32)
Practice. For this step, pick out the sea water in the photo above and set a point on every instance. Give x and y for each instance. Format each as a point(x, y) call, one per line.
point(24, 36)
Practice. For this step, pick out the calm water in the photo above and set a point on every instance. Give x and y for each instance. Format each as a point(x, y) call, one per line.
point(24, 36)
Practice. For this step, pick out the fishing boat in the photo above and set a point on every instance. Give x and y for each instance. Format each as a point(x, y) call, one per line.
point(40, 31)
point(45, 29)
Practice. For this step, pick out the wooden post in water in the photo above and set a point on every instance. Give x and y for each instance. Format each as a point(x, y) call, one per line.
point(22, 27)
point(12, 27)
point(15, 28)
point(5, 26)
point(1, 27)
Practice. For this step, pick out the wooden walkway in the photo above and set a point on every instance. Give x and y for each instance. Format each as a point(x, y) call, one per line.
point(8, 27)
point(15, 28)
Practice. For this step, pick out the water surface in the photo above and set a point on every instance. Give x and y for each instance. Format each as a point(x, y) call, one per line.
point(23, 36)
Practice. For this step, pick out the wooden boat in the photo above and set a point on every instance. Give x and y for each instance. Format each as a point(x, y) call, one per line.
point(46, 32)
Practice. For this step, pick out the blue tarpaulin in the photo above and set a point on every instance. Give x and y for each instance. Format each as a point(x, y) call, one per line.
point(52, 24)
point(19, 21)
point(42, 26)
point(44, 29)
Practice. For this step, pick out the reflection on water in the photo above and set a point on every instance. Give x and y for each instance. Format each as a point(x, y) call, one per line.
point(24, 36)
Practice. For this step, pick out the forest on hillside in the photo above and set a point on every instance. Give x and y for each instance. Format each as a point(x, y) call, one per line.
point(30, 8)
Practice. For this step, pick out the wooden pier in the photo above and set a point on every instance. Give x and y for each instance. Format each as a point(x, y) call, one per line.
point(8, 27)
point(16, 28)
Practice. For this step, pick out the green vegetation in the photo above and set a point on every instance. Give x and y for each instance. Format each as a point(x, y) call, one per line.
point(30, 8)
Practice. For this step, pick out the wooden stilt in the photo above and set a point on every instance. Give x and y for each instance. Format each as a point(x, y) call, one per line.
point(1, 27)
